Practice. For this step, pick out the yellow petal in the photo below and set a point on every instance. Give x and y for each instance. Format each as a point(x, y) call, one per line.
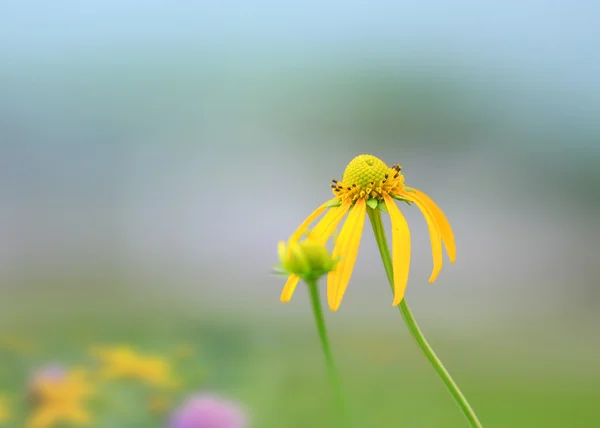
point(400, 249)
point(281, 250)
point(289, 287)
point(442, 221)
point(328, 223)
point(346, 249)
point(308, 221)
point(434, 234)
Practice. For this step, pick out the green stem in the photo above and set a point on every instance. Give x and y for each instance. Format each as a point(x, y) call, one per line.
point(375, 217)
point(331, 368)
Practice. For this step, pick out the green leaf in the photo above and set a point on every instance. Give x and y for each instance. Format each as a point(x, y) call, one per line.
point(382, 207)
point(372, 203)
point(408, 189)
point(333, 204)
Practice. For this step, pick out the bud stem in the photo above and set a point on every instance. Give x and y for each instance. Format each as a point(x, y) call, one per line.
point(331, 368)
point(375, 217)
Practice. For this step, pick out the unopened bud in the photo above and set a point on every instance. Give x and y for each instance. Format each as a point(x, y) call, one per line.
point(307, 259)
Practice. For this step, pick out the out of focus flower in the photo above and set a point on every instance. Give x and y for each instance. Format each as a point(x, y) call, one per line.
point(124, 363)
point(43, 377)
point(62, 401)
point(368, 184)
point(207, 411)
point(4, 409)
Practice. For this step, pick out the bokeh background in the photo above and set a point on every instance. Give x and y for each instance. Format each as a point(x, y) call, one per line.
point(152, 154)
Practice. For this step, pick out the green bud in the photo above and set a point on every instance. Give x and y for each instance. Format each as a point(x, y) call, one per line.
point(307, 259)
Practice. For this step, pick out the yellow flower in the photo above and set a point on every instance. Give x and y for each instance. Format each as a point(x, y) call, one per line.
point(62, 401)
point(4, 409)
point(369, 184)
point(125, 363)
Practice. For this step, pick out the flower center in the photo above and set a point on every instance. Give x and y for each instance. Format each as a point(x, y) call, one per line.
point(368, 177)
point(363, 169)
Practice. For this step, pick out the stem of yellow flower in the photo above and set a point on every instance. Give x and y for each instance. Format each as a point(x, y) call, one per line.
point(375, 217)
point(331, 368)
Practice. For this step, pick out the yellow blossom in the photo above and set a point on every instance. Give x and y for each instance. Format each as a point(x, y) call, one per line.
point(126, 363)
point(62, 401)
point(5, 413)
point(368, 184)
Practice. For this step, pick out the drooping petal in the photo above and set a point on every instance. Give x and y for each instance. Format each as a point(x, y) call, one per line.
point(434, 233)
point(346, 249)
point(308, 221)
point(323, 230)
point(442, 221)
point(289, 287)
point(400, 249)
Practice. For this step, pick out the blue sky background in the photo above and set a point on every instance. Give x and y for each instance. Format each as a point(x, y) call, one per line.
point(562, 35)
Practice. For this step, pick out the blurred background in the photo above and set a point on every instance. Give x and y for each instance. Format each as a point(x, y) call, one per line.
point(152, 154)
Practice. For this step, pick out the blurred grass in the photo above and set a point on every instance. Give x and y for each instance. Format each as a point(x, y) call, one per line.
point(277, 372)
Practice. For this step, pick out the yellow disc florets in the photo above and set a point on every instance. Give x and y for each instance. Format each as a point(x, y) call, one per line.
point(368, 177)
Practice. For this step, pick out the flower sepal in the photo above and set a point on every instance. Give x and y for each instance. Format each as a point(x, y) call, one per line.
point(400, 198)
point(381, 206)
point(279, 270)
point(372, 203)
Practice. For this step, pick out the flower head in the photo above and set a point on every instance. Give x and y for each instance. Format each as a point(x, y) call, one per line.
point(62, 400)
point(206, 411)
point(125, 363)
point(5, 414)
point(369, 184)
point(41, 378)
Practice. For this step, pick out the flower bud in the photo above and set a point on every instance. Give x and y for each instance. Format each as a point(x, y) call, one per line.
point(307, 259)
